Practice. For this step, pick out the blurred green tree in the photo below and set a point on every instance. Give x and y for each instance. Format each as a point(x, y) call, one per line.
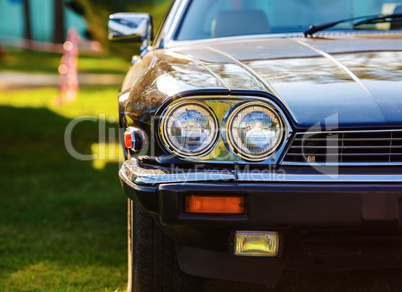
point(59, 35)
point(28, 26)
point(96, 13)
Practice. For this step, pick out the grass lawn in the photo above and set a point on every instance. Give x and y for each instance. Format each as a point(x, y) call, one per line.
point(62, 221)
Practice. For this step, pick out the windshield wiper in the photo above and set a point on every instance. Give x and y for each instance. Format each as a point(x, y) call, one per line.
point(369, 20)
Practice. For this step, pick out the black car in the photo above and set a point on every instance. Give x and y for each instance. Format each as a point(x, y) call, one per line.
point(261, 136)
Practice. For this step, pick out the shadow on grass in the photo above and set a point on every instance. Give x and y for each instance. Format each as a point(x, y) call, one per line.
point(62, 223)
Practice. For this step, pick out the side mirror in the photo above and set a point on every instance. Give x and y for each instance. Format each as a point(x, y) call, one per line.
point(131, 27)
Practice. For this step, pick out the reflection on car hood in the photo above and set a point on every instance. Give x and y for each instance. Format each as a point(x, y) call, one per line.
point(349, 81)
point(356, 81)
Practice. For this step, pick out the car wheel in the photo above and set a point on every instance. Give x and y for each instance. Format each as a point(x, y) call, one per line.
point(153, 264)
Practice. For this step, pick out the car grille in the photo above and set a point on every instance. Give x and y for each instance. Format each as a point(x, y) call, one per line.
point(349, 147)
point(352, 242)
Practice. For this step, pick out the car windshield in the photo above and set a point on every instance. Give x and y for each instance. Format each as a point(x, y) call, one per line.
point(222, 18)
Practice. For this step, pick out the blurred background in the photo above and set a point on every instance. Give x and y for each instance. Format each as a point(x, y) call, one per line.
point(63, 222)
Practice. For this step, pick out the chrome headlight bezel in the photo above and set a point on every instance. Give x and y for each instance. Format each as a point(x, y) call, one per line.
point(233, 114)
point(170, 145)
point(221, 108)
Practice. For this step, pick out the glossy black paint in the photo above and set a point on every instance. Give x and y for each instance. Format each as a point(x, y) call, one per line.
point(221, 265)
point(291, 210)
point(328, 83)
point(313, 79)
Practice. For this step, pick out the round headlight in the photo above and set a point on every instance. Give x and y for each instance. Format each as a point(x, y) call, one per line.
point(189, 129)
point(254, 131)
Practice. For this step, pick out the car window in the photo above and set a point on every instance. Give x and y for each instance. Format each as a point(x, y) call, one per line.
point(219, 18)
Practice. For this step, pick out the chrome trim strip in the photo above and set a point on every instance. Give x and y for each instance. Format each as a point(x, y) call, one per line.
point(350, 131)
point(289, 163)
point(123, 176)
point(134, 173)
point(291, 138)
point(174, 25)
point(167, 26)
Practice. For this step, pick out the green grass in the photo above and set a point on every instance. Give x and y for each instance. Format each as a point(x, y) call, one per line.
point(62, 221)
point(21, 60)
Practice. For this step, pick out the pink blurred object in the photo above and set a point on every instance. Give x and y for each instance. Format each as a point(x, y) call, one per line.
point(68, 71)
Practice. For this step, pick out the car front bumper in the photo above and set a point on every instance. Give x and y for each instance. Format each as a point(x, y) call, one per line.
point(331, 209)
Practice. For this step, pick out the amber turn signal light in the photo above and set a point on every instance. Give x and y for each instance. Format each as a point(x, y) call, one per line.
point(223, 205)
point(134, 139)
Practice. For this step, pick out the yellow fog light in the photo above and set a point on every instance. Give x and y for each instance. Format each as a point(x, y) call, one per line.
point(256, 243)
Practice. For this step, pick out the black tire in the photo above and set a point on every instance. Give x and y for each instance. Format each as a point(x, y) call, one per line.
point(152, 259)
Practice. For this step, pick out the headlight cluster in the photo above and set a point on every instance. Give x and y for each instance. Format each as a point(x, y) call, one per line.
point(251, 130)
point(190, 129)
point(254, 131)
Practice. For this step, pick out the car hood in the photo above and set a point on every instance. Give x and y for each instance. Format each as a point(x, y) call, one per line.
point(343, 81)
point(351, 81)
